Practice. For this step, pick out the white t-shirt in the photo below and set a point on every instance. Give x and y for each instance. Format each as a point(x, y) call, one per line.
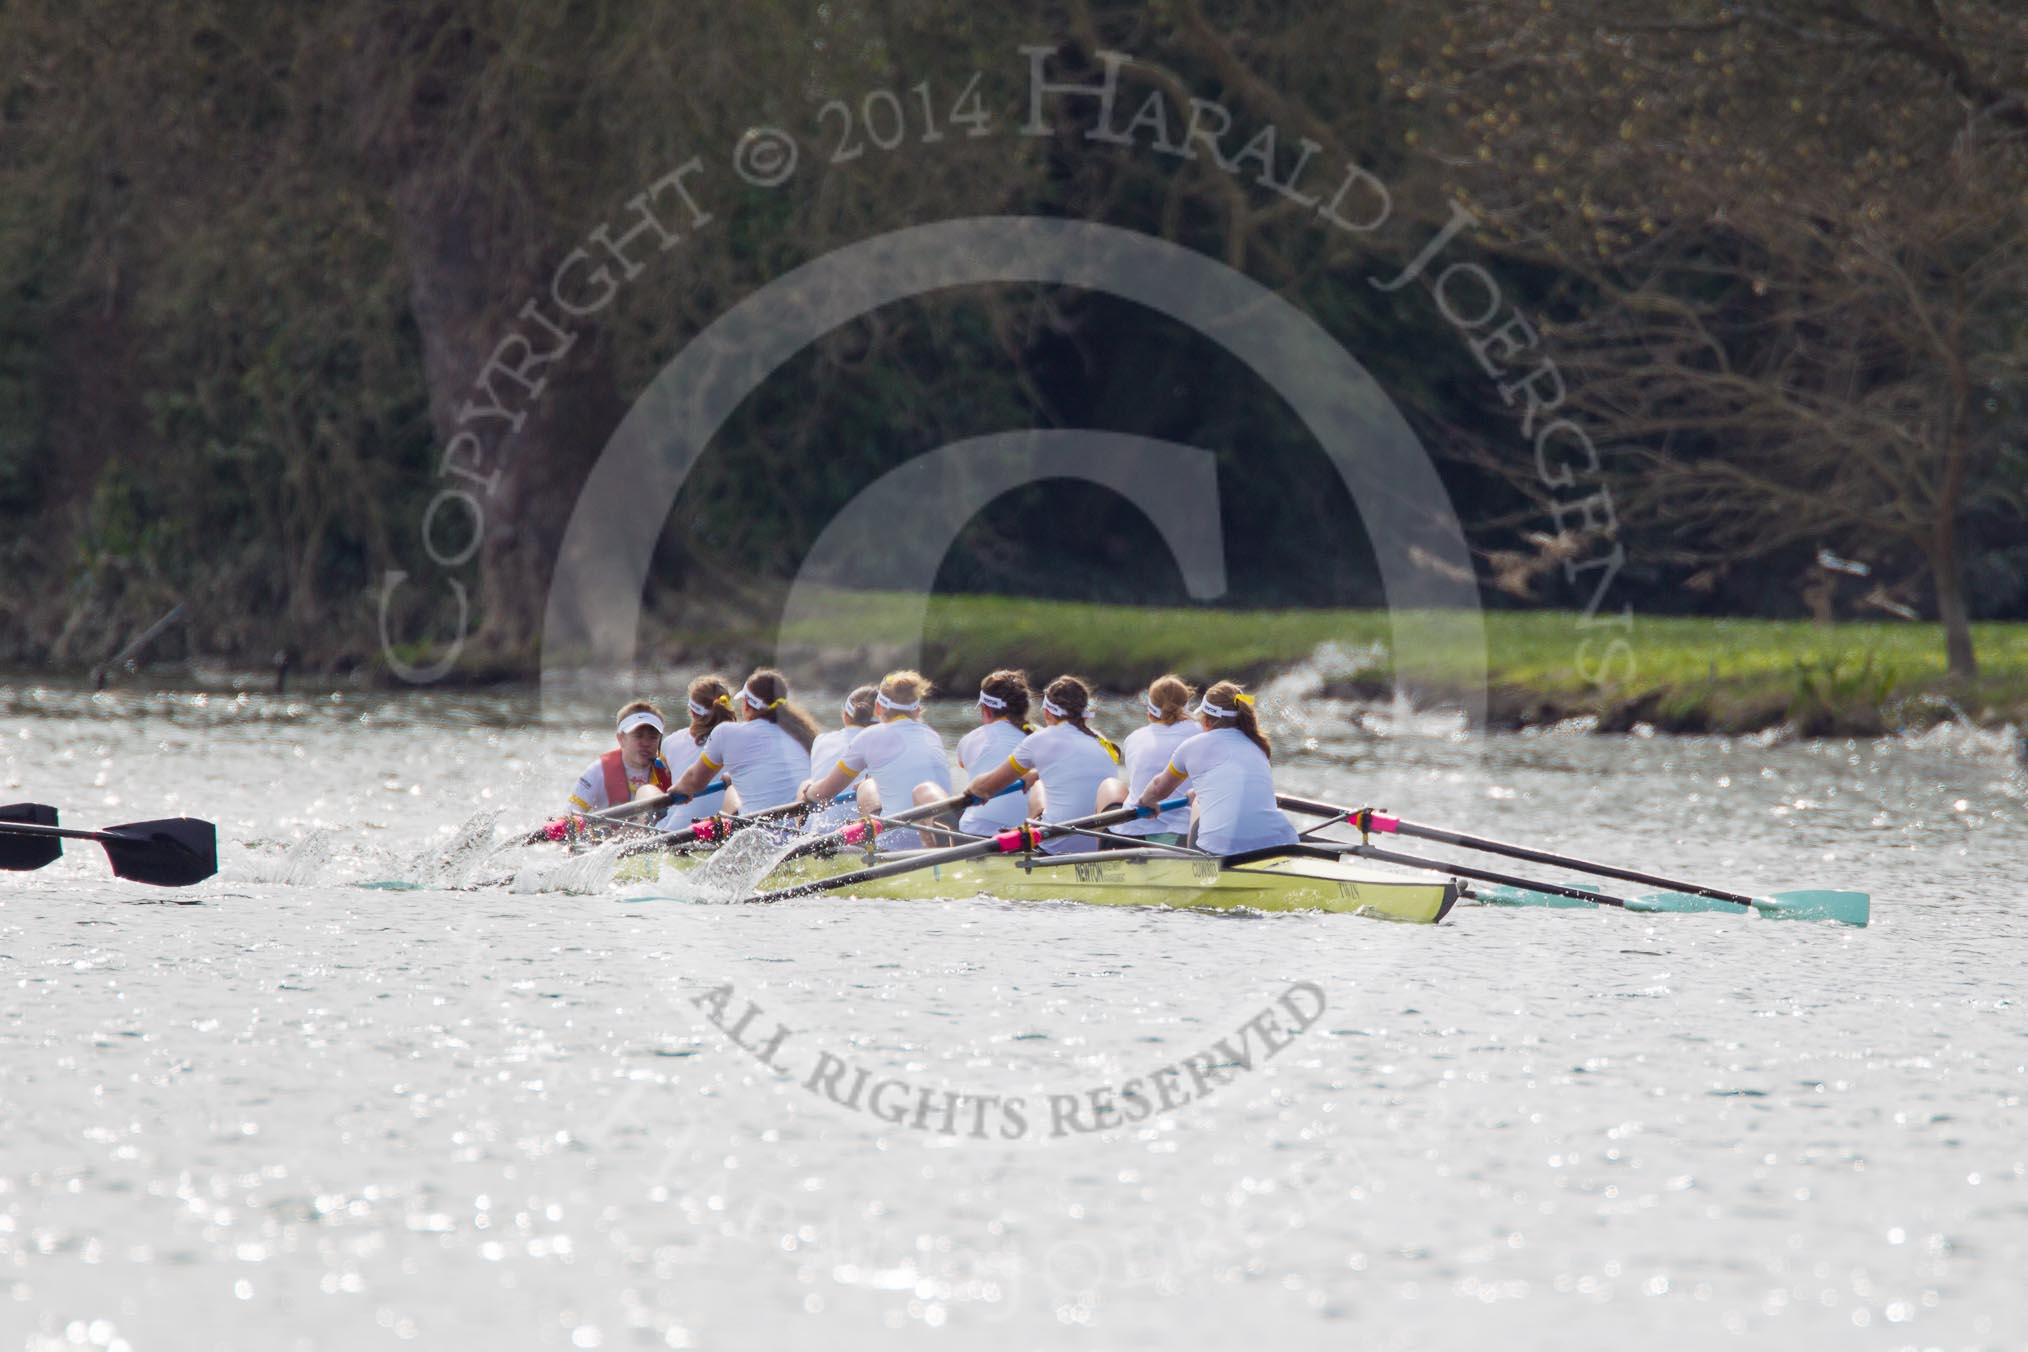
point(589, 793)
point(898, 755)
point(682, 753)
point(1072, 764)
point(763, 761)
point(829, 746)
point(984, 748)
point(1235, 790)
point(1146, 754)
point(824, 754)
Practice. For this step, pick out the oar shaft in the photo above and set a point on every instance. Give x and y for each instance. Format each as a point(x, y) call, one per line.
point(1381, 822)
point(1007, 842)
point(909, 816)
point(1479, 874)
point(1553, 860)
point(638, 806)
point(67, 833)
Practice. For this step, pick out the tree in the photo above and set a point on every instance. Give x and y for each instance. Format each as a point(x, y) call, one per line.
point(1795, 237)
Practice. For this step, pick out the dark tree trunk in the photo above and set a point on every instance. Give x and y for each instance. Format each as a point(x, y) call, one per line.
point(1963, 663)
point(466, 290)
point(478, 247)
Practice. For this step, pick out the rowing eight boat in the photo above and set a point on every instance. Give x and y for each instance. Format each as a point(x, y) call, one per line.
point(1271, 880)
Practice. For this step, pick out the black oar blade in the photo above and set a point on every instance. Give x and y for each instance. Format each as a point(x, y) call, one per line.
point(26, 853)
point(173, 852)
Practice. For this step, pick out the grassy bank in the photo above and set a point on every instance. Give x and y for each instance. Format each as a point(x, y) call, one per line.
point(1686, 675)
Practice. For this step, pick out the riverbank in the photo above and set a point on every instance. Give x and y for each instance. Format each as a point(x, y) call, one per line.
point(1689, 675)
point(1684, 675)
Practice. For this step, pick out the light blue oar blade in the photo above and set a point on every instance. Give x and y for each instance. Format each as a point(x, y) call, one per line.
point(1846, 908)
point(1681, 901)
point(1497, 894)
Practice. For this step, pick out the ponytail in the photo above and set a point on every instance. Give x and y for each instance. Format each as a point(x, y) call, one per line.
point(1011, 689)
point(859, 707)
point(1229, 695)
point(1073, 697)
point(711, 694)
point(901, 694)
point(1168, 697)
point(771, 689)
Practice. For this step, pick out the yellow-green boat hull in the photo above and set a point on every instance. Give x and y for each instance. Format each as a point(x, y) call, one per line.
point(1125, 878)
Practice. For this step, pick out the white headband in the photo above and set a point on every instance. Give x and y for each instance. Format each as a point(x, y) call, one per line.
point(1153, 712)
point(699, 710)
point(992, 701)
point(1051, 706)
point(850, 712)
point(884, 702)
point(640, 718)
point(755, 700)
point(1207, 707)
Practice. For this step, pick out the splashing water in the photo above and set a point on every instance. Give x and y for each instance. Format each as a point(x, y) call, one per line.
point(452, 864)
point(582, 874)
point(729, 874)
point(304, 864)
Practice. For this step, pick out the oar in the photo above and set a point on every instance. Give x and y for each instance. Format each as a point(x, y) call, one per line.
point(1020, 839)
point(26, 853)
point(617, 816)
point(852, 833)
point(653, 801)
point(1540, 893)
point(708, 828)
point(173, 852)
point(1141, 843)
point(1848, 908)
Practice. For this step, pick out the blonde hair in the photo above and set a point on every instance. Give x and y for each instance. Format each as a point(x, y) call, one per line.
point(1172, 695)
point(904, 688)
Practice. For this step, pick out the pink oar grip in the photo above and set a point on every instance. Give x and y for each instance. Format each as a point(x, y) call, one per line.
point(1019, 838)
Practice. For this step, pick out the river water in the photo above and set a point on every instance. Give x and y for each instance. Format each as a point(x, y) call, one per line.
point(392, 1083)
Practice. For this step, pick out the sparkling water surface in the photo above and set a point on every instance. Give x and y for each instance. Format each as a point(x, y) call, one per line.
point(395, 1082)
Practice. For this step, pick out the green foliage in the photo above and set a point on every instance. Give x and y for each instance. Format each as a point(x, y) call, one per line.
point(220, 222)
point(1825, 685)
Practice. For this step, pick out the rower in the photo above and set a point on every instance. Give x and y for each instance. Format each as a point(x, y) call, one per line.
point(1145, 754)
point(1232, 787)
point(765, 753)
point(856, 716)
point(1071, 758)
point(900, 751)
point(710, 701)
point(633, 767)
point(1003, 722)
